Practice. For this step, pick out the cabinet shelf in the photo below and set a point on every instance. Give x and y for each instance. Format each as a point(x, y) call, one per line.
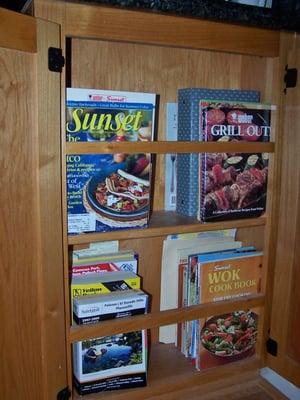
point(170, 371)
point(165, 147)
point(164, 223)
point(160, 318)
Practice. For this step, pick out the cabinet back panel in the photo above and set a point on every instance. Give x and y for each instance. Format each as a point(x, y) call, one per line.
point(149, 268)
point(161, 70)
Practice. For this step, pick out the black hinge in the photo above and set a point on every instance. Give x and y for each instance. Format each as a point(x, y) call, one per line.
point(64, 394)
point(56, 60)
point(290, 78)
point(272, 347)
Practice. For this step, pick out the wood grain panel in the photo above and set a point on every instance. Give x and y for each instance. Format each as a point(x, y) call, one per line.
point(164, 147)
point(55, 11)
point(252, 236)
point(17, 31)
point(161, 70)
point(166, 223)
point(134, 26)
point(20, 334)
point(287, 362)
point(51, 276)
point(149, 268)
point(293, 344)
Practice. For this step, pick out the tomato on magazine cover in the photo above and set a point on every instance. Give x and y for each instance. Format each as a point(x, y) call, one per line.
point(233, 185)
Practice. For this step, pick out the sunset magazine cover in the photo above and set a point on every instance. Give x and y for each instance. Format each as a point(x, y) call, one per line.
point(108, 191)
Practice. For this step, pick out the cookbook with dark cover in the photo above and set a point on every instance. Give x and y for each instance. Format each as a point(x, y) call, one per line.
point(233, 185)
point(108, 191)
point(187, 193)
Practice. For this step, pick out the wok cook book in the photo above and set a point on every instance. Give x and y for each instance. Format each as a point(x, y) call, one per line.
point(108, 191)
point(216, 277)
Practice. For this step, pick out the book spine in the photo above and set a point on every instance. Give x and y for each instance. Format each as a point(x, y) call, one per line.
point(103, 267)
point(85, 289)
point(104, 317)
point(187, 164)
point(117, 306)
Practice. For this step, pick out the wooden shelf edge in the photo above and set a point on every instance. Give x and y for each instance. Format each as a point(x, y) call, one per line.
point(165, 147)
point(164, 223)
point(161, 318)
point(170, 372)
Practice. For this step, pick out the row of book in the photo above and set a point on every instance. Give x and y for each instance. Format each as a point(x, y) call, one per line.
point(113, 191)
point(206, 268)
point(105, 286)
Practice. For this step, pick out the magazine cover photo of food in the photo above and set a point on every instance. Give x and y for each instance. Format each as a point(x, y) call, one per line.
point(226, 338)
point(233, 185)
point(108, 191)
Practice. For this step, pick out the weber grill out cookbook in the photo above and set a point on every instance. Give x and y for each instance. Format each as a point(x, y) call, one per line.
point(108, 191)
point(233, 185)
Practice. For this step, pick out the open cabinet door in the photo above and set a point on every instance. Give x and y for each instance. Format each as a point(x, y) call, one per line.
point(32, 334)
point(285, 317)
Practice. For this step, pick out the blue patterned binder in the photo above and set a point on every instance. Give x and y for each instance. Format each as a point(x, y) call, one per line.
point(188, 130)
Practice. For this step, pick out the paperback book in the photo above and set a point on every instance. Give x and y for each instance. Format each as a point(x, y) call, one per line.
point(110, 362)
point(98, 284)
point(119, 304)
point(233, 185)
point(105, 263)
point(94, 284)
point(188, 130)
point(108, 191)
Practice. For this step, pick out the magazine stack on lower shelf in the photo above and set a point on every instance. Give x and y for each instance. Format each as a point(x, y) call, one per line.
point(104, 287)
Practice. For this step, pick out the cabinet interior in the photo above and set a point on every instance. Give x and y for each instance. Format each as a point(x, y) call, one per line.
point(163, 70)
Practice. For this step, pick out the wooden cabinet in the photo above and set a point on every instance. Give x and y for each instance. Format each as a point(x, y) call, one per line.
point(116, 49)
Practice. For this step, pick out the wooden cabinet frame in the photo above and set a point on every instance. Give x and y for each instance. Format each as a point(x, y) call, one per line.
point(252, 58)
